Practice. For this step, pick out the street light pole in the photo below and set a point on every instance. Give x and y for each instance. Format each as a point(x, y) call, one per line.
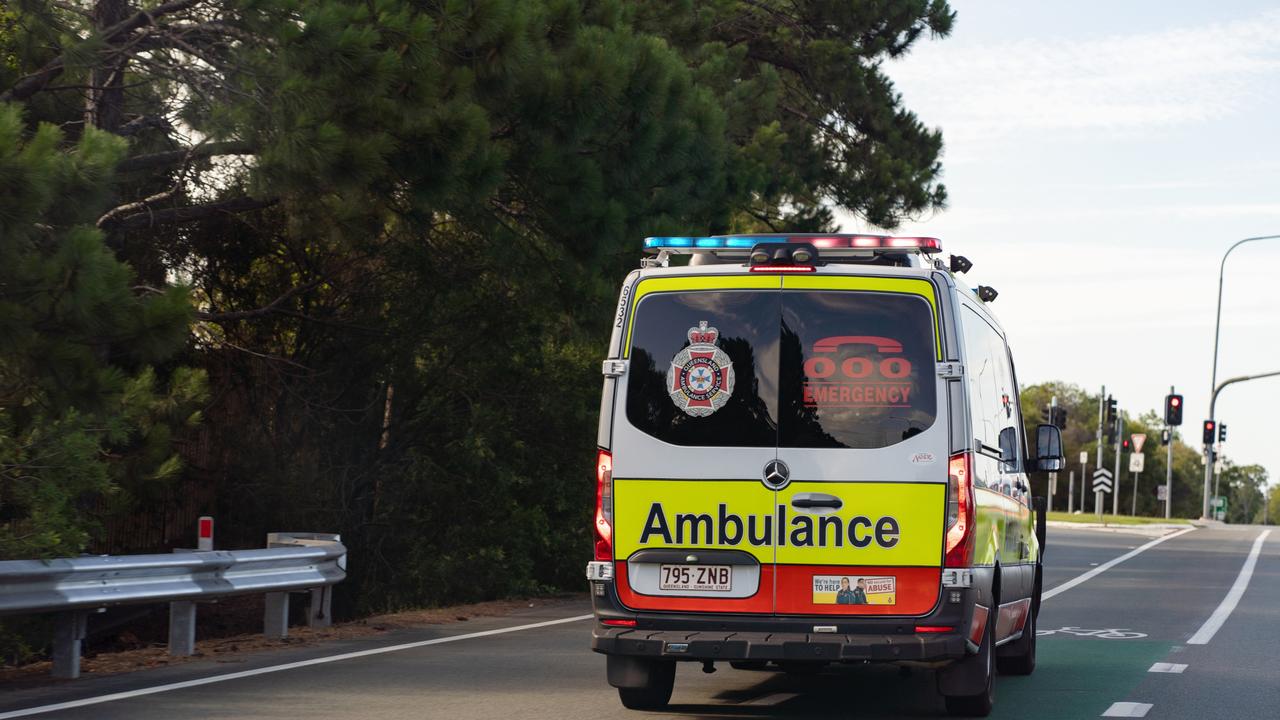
point(1213, 399)
point(1213, 380)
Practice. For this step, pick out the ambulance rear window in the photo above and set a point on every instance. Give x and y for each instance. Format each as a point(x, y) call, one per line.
point(857, 369)
point(704, 368)
point(800, 369)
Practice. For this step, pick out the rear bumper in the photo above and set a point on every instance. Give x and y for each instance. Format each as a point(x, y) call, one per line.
point(822, 647)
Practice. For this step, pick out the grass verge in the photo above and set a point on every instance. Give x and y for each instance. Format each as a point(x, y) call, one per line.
point(1109, 519)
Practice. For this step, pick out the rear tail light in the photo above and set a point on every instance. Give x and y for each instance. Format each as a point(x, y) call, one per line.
point(604, 506)
point(961, 515)
point(934, 628)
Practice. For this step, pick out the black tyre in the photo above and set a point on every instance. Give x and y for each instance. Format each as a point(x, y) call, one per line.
point(979, 705)
point(656, 694)
point(1019, 656)
point(749, 664)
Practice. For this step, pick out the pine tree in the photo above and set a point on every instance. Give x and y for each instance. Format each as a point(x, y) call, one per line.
point(77, 394)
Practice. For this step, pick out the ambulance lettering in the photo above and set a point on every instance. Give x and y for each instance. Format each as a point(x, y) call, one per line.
point(731, 529)
point(855, 381)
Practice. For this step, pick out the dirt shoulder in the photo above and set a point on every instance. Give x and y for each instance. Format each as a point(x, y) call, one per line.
point(233, 649)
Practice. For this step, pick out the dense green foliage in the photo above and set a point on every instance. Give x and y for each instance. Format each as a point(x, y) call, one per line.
point(83, 416)
point(389, 232)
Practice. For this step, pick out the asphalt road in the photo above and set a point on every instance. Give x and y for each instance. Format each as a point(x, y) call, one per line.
point(1107, 634)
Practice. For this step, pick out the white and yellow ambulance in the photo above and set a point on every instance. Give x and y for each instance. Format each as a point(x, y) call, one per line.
point(811, 451)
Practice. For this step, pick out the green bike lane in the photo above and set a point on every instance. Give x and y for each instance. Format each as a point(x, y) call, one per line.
point(1089, 655)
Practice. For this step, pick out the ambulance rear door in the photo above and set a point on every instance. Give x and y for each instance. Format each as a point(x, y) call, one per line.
point(862, 431)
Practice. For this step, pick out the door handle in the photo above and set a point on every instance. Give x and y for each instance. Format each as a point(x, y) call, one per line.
point(814, 501)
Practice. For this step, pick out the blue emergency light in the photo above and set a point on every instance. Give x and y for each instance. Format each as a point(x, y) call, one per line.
point(659, 243)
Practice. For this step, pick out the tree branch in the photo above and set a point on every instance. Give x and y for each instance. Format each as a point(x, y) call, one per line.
point(31, 84)
point(152, 218)
point(173, 157)
point(267, 309)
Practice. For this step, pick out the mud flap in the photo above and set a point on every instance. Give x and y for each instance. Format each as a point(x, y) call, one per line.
point(626, 671)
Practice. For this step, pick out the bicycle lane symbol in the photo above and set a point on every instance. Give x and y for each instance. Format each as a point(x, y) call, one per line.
point(1105, 634)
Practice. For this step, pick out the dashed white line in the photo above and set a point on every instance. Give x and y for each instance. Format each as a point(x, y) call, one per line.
point(1167, 668)
point(1110, 564)
point(1127, 709)
point(1228, 604)
point(277, 668)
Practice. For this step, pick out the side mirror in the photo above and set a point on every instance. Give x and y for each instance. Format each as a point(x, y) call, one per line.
point(1049, 449)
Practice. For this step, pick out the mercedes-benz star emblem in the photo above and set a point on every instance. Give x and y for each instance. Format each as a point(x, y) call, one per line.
point(776, 474)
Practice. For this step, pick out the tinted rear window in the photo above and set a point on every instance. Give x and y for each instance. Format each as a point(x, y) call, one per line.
point(808, 369)
point(723, 392)
point(857, 369)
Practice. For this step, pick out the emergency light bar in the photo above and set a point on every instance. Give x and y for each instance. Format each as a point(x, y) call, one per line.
point(868, 243)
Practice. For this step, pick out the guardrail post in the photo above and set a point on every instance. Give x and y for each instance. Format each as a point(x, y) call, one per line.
point(275, 620)
point(182, 628)
point(68, 634)
point(318, 611)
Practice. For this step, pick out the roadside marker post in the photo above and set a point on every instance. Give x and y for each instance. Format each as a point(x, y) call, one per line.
point(1101, 486)
point(204, 533)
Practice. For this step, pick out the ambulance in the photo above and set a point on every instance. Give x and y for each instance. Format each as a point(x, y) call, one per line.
point(811, 452)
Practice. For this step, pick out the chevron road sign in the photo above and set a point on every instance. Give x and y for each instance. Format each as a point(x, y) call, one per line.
point(1102, 480)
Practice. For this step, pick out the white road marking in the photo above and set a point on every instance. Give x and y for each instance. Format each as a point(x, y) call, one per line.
point(1127, 709)
point(1085, 577)
point(1167, 668)
point(774, 699)
point(278, 668)
point(1228, 605)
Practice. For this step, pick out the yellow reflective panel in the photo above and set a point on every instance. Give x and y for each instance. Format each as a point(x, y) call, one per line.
point(878, 524)
point(688, 283)
point(731, 514)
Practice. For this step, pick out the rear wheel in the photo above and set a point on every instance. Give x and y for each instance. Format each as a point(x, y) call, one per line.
point(1019, 656)
point(656, 692)
point(978, 704)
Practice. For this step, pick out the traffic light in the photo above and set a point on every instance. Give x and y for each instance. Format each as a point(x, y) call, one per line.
point(1166, 436)
point(1058, 418)
point(1111, 410)
point(1210, 431)
point(1124, 444)
point(1222, 432)
point(1173, 410)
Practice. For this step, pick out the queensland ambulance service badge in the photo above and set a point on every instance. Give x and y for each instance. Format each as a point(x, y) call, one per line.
point(700, 379)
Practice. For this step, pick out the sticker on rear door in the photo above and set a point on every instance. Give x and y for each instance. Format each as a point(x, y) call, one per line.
point(854, 590)
point(700, 379)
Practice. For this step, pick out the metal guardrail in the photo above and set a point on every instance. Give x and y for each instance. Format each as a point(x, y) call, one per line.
point(75, 587)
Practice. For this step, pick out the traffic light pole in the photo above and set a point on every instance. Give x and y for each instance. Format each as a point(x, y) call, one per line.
point(1168, 465)
point(1115, 494)
point(1213, 401)
point(1213, 379)
point(1102, 420)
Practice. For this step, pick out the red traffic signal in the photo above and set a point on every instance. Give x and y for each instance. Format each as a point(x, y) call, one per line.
point(1210, 432)
point(1173, 410)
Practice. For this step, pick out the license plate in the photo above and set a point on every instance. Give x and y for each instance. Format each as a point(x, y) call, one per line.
point(710, 578)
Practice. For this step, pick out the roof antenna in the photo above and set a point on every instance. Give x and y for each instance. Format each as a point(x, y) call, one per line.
point(960, 264)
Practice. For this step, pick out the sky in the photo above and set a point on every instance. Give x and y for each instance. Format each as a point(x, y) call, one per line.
point(1100, 158)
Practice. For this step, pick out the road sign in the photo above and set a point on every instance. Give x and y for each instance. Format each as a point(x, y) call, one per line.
point(1162, 493)
point(1084, 457)
point(1135, 462)
point(1218, 502)
point(1138, 439)
point(1102, 480)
